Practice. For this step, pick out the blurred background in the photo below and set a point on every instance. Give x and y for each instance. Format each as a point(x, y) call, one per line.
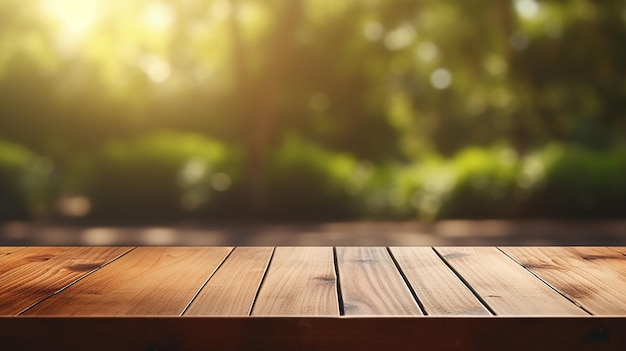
point(144, 112)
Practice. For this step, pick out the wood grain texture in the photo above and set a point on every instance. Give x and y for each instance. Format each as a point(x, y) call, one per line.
point(593, 277)
point(15, 259)
point(507, 287)
point(232, 289)
point(371, 284)
point(146, 281)
point(299, 281)
point(440, 291)
point(8, 250)
point(32, 274)
point(618, 249)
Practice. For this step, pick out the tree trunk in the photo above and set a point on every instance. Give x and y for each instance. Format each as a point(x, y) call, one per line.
point(259, 98)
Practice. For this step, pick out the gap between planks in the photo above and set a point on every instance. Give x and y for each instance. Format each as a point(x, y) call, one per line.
point(406, 273)
point(147, 281)
point(41, 300)
point(505, 285)
point(221, 295)
point(593, 278)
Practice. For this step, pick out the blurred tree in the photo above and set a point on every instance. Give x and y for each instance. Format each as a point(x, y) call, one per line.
point(259, 95)
point(385, 81)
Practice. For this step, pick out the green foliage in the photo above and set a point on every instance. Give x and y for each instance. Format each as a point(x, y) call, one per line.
point(307, 181)
point(396, 103)
point(25, 182)
point(555, 182)
point(182, 175)
point(580, 183)
point(484, 186)
point(476, 183)
point(163, 175)
point(386, 192)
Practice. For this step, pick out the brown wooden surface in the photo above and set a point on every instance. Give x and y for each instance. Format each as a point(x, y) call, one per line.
point(504, 285)
point(30, 275)
point(313, 333)
point(8, 250)
point(232, 289)
point(146, 281)
point(299, 281)
point(371, 283)
point(595, 278)
point(618, 249)
point(440, 291)
point(302, 281)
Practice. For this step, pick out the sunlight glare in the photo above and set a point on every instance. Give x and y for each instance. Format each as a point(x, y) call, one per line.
point(76, 15)
point(158, 16)
point(220, 9)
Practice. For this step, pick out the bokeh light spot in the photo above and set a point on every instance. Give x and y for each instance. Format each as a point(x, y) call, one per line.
point(193, 172)
point(158, 236)
point(158, 16)
point(496, 65)
point(73, 206)
point(441, 78)
point(100, 236)
point(400, 37)
point(221, 181)
point(527, 9)
point(156, 68)
point(427, 51)
point(373, 31)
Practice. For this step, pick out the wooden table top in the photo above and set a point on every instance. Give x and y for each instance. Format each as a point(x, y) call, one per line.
point(313, 281)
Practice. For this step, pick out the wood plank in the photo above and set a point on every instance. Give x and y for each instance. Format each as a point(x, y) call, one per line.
point(232, 289)
point(146, 281)
point(593, 277)
point(34, 254)
point(440, 291)
point(299, 281)
point(619, 249)
point(8, 250)
point(371, 284)
point(32, 274)
point(506, 287)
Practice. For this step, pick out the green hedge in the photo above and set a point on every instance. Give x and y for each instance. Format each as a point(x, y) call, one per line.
point(161, 176)
point(306, 181)
point(173, 176)
point(580, 183)
point(476, 183)
point(554, 182)
point(26, 183)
